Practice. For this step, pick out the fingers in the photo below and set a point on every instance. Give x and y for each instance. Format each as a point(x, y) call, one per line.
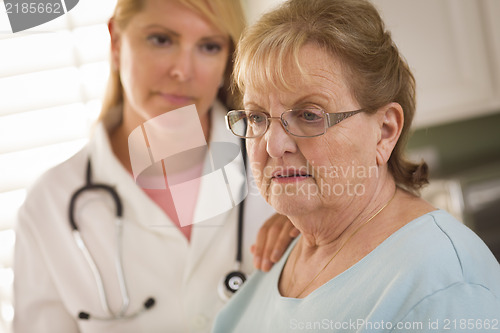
point(258, 248)
point(282, 242)
point(272, 240)
point(273, 237)
point(294, 232)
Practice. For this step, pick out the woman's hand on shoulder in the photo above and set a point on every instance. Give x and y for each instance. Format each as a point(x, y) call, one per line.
point(272, 240)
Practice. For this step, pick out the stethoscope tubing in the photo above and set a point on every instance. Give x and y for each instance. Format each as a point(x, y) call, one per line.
point(241, 210)
point(95, 271)
point(227, 288)
point(119, 267)
point(89, 186)
point(233, 280)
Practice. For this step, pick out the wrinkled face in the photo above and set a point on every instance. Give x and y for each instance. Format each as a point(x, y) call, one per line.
point(297, 175)
point(169, 57)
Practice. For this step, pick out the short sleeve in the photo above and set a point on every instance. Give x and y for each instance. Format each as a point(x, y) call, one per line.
point(461, 307)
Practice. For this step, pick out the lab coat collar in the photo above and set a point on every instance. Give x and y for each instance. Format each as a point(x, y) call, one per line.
point(138, 207)
point(204, 232)
point(207, 225)
point(107, 169)
point(219, 132)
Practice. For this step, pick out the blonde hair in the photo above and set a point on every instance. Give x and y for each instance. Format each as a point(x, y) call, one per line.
point(353, 32)
point(227, 16)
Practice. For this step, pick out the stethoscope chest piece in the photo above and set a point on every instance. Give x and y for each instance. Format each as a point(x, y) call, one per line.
point(231, 283)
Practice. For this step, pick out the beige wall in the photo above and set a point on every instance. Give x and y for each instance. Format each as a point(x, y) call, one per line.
point(255, 8)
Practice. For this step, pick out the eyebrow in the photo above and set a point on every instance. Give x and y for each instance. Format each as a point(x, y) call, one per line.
point(253, 105)
point(302, 99)
point(315, 95)
point(158, 26)
point(177, 35)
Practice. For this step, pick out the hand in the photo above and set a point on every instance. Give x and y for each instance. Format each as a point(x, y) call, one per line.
point(272, 240)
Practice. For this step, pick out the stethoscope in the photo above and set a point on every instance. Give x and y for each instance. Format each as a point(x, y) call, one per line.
point(150, 302)
point(233, 280)
point(228, 285)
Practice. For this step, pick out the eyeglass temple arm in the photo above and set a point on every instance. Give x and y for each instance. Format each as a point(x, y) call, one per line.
point(335, 118)
point(228, 126)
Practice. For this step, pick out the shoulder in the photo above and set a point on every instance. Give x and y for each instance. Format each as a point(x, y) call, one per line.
point(440, 256)
point(463, 307)
point(468, 252)
point(433, 267)
point(53, 188)
point(58, 176)
point(443, 240)
point(433, 252)
point(64, 176)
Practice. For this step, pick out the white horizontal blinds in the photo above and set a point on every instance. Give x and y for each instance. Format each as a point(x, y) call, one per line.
point(52, 78)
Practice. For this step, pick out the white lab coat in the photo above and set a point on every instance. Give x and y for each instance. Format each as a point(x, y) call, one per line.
point(53, 281)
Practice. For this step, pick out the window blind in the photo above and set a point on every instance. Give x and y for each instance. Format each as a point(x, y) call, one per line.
point(52, 78)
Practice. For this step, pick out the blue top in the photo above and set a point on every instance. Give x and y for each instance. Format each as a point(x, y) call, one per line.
point(432, 275)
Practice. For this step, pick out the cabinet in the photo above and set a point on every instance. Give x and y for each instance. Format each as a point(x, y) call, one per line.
point(450, 47)
point(453, 49)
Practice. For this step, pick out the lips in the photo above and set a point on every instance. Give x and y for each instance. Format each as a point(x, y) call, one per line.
point(177, 98)
point(289, 174)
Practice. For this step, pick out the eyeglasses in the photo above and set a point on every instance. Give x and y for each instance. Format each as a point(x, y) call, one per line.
point(305, 122)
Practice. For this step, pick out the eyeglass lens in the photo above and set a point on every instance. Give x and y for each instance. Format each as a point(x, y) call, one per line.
point(302, 122)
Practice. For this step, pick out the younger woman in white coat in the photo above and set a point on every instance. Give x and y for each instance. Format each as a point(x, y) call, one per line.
point(166, 54)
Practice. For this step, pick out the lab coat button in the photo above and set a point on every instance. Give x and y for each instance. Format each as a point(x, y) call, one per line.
point(200, 321)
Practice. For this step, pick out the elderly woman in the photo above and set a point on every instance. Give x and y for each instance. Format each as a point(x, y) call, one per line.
point(328, 105)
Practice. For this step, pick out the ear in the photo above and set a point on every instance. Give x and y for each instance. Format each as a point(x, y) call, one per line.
point(391, 121)
point(115, 35)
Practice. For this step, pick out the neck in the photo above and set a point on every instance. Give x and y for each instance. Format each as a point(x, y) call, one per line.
point(332, 227)
point(131, 120)
point(312, 255)
point(119, 143)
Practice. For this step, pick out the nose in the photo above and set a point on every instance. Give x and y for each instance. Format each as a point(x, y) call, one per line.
point(182, 66)
point(278, 141)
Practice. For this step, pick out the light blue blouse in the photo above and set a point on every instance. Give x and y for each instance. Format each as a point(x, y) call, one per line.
point(432, 275)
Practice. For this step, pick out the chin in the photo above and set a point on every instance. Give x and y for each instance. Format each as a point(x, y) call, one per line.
point(293, 204)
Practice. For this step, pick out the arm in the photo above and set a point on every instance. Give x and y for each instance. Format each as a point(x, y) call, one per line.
point(38, 307)
point(272, 240)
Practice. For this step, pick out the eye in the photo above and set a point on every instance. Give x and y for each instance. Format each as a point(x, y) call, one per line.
point(309, 115)
point(211, 48)
point(160, 40)
point(256, 117)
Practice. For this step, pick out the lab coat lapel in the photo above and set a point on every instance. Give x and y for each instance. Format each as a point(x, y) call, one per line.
point(138, 207)
point(223, 186)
